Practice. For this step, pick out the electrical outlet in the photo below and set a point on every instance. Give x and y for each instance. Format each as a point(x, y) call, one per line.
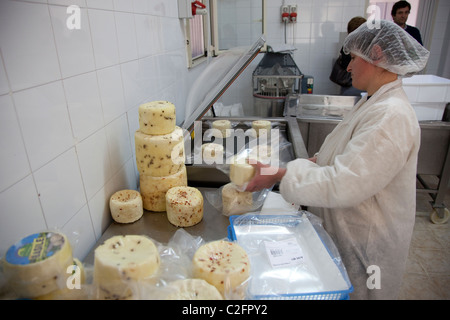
point(285, 13)
point(293, 13)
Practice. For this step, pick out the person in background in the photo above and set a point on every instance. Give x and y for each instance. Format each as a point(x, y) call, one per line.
point(352, 25)
point(362, 182)
point(400, 12)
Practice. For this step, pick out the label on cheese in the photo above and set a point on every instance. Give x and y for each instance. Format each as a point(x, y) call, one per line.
point(36, 265)
point(35, 248)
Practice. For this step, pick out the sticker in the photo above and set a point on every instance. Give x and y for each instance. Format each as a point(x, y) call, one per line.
point(284, 253)
point(35, 248)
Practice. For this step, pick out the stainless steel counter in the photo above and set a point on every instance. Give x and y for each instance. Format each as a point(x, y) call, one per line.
point(156, 226)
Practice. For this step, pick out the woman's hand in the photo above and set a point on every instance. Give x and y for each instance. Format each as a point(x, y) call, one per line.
point(265, 177)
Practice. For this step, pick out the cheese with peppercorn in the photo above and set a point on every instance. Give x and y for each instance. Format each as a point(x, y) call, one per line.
point(153, 189)
point(184, 206)
point(126, 206)
point(192, 289)
point(37, 264)
point(225, 265)
point(235, 201)
point(120, 262)
point(157, 117)
point(159, 155)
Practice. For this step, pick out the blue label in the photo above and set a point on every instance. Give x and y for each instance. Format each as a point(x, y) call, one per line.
point(35, 248)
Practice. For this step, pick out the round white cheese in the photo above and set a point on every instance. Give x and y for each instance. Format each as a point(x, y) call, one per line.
point(262, 127)
point(73, 292)
point(184, 206)
point(37, 264)
point(159, 155)
point(235, 201)
point(212, 153)
point(192, 289)
point(223, 126)
point(121, 261)
point(126, 206)
point(157, 117)
point(225, 265)
point(153, 189)
point(241, 171)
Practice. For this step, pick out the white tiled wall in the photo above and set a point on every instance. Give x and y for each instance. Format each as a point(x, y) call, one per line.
point(68, 108)
point(69, 98)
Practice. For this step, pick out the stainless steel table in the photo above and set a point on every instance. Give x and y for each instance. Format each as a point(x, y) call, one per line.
point(156, 226)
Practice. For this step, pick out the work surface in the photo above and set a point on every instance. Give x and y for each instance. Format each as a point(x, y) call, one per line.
point(156, 226)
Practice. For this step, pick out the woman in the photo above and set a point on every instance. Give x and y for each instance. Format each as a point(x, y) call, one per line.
point(362, 181)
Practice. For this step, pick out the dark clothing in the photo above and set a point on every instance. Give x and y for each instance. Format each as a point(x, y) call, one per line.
point(415, 33)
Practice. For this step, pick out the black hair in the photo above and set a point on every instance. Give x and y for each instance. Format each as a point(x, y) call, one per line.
point(399, 5)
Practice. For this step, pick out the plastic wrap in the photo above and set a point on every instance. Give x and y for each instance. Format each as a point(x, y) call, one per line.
point(292, 257)
point(232, 198)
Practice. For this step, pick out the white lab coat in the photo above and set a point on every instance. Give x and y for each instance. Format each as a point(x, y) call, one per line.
point(363, 186)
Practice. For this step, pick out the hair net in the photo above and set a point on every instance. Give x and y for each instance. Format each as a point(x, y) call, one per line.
point(388, 46)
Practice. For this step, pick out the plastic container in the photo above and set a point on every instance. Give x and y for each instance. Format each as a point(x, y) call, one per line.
point(291, 258)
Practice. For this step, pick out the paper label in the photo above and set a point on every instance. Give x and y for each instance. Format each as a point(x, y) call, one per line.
point(35, 248)
point(284, 253)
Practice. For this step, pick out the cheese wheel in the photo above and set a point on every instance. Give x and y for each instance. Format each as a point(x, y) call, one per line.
point(212, 153)
point(235, 201)
point(225, 265)
point(241, 171)
point(126, 206)
point(77, 290)
point(159, 155)
point(37, 264)
point(157, 117)
point(153, 189)
point(224, 126)
point(120, 262)
point(260, 125)
point(192, 289)
point(184, 206)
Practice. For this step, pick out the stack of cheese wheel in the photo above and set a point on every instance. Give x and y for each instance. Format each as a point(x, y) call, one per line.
point(121, 262)
point(37, 264)
point(159, 153)
point(224, 265)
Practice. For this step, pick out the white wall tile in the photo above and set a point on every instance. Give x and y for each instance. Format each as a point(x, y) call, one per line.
point(80, 233)
point(32, 61)
point(4, 85)
point(118, 142)
point(100, 4)
point(111, 92)
point(99, 209)
point(104, 37)
point(85, 107)
point(123, 5)
point(61, 189)
point(13, 154)
point(21, 213)
point(74, 45)
point(44, 121)
point(126, 35)
point(95, 164)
